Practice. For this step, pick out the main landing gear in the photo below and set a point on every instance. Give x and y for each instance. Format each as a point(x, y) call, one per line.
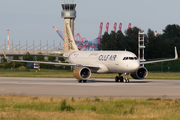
point(80, 81)
point(121, 79)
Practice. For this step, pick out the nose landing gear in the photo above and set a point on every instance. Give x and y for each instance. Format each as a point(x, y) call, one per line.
point(126, 80)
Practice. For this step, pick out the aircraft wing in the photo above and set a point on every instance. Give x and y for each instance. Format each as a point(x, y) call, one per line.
point(56, 63)
point(40, 62)
point(52, 63)
point(176, 57)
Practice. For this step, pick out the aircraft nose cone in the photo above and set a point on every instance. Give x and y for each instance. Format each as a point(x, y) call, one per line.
point(135, 66)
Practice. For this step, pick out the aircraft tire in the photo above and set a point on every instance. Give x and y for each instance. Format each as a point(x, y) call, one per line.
point(125, 81)
point(79, 81)
point(84, 81)
point(121, 79)
point(116, 79)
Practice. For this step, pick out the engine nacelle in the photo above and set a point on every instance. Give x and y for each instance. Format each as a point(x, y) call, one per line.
point(141, 73)
point(82, 73)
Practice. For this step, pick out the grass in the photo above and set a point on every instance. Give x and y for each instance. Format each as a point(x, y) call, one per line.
point(69, 74)
point(164, 75)
point(34, 73)
point(37, 108)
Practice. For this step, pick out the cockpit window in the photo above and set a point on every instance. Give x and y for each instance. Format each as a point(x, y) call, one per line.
point(125, 58)
point(135, 58)
point(130, 58)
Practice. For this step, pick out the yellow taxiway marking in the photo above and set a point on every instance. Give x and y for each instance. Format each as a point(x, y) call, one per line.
point(2, 89)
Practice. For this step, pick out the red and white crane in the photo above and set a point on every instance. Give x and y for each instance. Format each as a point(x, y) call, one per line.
point(156, 33)
point(107, 27)
point(115, 26)
point(120, 26)
point(129, 26)
point(8, 39)
point(100, 32)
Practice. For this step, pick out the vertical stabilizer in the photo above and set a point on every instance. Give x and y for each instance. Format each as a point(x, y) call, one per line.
point(69, 43)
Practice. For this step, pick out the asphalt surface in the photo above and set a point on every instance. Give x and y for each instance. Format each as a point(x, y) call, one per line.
point(69, 87)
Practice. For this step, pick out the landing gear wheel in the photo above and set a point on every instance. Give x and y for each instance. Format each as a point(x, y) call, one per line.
point(121, 79)
point(116, 79)
point(125, 81)
point(84, 81)
point(79, 81)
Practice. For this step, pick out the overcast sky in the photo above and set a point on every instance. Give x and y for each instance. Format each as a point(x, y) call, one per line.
point(33, 19)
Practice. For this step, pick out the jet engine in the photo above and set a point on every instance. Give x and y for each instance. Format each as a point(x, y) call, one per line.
point(141, 73)
point(82, 73)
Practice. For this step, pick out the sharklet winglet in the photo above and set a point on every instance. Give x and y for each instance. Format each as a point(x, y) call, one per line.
point(176, 55)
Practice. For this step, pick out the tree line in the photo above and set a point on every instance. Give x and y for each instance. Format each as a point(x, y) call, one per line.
point(160, 46)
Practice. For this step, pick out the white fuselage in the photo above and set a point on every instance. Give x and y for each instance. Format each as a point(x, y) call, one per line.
point(108, 61)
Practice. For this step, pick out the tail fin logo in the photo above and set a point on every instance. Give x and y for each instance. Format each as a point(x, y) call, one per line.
point(69, 42)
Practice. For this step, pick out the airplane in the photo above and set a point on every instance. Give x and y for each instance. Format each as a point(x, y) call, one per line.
point(87, 62)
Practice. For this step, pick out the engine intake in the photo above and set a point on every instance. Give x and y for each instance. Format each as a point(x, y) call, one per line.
point(141, 73)
point(82, 73)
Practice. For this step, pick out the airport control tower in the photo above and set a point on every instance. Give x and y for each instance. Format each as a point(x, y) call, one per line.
point(69, 15)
